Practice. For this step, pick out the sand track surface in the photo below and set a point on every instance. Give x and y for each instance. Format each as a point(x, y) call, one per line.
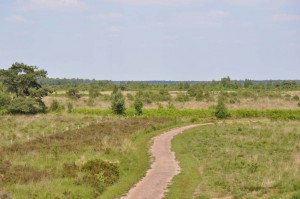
point(163, 169)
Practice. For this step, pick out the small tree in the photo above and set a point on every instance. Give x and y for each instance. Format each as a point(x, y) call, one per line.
point(22, 82)
point(221, 110)
point(73, 93)
point(118, 103)
point(138, 106)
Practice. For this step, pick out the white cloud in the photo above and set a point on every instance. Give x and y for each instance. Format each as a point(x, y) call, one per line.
point(156, 2)
point(51, 4)
point(285, 18)
point(112, 29)
point(219, 13)
point(113, 16)
point(15, 19)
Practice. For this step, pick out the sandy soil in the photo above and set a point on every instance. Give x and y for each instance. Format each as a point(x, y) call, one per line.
point(163, 169)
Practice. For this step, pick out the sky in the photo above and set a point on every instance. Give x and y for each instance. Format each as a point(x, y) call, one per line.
point(153, 39)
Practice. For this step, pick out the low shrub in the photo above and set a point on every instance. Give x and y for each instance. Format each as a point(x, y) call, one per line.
point(26, 106)
point(100, 174)
point(296, 97)
point(56, 106)
point(138, 106)
point(182, 97)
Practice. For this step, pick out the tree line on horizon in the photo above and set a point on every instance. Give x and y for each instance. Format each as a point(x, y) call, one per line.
point(224, 83)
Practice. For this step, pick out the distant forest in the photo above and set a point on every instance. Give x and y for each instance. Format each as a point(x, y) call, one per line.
point(225, 83)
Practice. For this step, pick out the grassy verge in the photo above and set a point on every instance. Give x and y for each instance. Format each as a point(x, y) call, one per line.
point(177, 113)
point(239, 160)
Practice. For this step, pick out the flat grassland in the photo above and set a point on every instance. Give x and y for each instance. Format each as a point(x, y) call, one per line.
point(105, 157)
point(239, 159)
point(91, 153)
point(243, 99)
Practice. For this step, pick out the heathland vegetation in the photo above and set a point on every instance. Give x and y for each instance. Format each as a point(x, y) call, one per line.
point(74, 138)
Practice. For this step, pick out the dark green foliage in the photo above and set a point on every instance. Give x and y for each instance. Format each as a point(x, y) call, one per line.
point(4, 100)
point(56, 106)
point(138, 106)
point(23, 105)
point(21, 80)
point(118, 103)
point(221, 110)
point(299, 104)
point(73, 93)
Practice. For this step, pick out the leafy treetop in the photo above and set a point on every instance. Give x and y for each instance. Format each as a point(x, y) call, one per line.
point(21, 80)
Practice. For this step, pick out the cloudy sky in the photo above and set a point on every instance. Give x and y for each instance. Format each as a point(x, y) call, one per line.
point(153, 39)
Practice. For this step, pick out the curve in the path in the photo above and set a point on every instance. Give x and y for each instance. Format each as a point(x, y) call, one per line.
point(163, 169)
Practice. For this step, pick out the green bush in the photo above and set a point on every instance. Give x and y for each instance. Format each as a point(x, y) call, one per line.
point(138, 106)
point(118, 103)
point(26, 106)
point(4, 101)
point(221, 110)
point(56, 106)
point(73, 93)
point(100, 174)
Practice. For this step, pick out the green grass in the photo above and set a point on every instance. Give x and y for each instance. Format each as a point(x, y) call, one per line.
point(21, 128)
point(202, 113)
point(122, 141)
point(240, 160)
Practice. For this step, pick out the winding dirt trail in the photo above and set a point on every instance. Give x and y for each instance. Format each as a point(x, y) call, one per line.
point(163, 169)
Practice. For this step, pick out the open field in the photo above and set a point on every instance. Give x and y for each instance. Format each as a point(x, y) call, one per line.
point(236, 100)
point(239, 159)
point(79, 163)
point(88, 151)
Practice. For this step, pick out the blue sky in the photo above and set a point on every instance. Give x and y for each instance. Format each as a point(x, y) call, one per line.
point(153, 39)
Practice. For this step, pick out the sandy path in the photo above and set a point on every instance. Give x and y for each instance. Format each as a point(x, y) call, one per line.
point(163, 168)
